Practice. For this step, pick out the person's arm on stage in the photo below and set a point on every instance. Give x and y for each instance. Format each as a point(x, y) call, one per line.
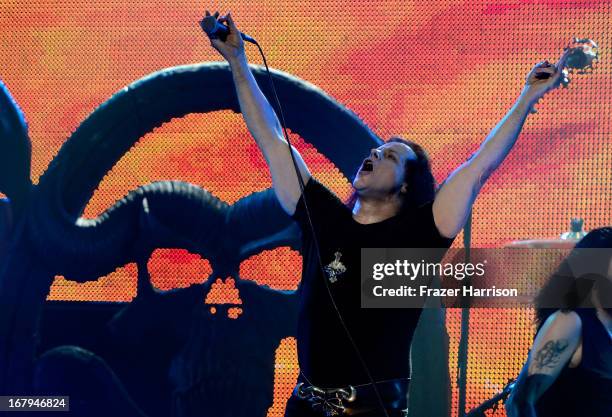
point(262, 121)
point(552, 349)
point(456, 195)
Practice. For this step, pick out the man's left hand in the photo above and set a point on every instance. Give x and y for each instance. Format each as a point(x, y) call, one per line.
point(545, 77)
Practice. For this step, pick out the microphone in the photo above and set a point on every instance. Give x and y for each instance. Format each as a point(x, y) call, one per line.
point(216, 30)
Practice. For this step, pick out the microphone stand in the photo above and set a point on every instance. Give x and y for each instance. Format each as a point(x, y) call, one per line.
point(462, 354)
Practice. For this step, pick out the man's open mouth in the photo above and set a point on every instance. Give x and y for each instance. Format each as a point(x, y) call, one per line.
point(367, 165)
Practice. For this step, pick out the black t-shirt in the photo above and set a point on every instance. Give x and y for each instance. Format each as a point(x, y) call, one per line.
point(383, 336)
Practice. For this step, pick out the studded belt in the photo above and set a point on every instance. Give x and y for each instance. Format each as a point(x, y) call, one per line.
point(355, 399)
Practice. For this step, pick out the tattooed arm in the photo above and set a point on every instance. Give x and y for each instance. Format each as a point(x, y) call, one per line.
point(552, 349)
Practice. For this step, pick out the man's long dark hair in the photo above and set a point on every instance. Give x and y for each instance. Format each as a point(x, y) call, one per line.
point(421, 184)
point(563, 287)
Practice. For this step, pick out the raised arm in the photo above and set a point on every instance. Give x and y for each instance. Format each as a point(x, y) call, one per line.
point(458, 192)
point(552, 349)
point(262, 121)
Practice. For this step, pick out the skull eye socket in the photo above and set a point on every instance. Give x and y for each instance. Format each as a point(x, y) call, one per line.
point(177, 268)
point(280, 268)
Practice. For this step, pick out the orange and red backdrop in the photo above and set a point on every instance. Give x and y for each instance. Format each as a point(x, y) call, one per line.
point(442, 73)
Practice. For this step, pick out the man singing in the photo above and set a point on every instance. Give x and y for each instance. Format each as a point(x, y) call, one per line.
point(395, 204)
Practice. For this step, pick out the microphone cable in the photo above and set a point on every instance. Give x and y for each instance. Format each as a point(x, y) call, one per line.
point(315, 239)
point(211, 26)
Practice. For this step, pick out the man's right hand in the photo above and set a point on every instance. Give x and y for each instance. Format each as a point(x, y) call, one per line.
point(232, 48)
point(261, 120)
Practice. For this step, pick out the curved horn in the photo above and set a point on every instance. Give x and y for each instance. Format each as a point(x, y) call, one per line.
point(178, 214)
point(113, 128)
point(15, 149)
